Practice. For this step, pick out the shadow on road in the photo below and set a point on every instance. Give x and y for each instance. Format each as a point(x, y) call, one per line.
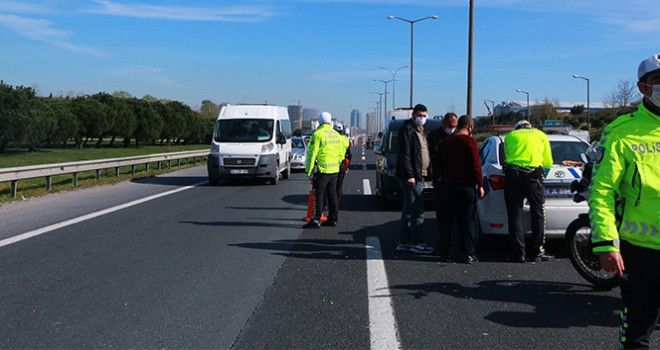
point(555, 304)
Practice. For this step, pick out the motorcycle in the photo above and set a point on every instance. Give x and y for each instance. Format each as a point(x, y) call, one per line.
point(578, 232)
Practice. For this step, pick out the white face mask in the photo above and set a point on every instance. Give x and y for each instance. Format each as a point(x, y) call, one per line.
point(655, 96)
point(419, 121)
point(450, 131)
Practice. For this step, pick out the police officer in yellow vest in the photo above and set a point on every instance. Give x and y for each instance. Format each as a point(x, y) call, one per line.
point(625, 208)
point(528, 154)
point(325, 152)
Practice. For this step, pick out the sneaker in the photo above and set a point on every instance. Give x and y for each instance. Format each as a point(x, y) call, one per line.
point(402, 247)
point(542, 256)
point(421, 248)
point(312, 224)
point(471, 259)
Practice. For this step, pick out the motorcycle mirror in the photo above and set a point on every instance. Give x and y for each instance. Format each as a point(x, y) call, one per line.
point(584, 158)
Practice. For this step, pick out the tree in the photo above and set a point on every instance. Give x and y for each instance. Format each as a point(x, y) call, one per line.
point(66, 121)
point(150, 123)
point(16, 119)
point(122, 94)
point(209, 109)
point(623, 94)
point(577, 109)
point(545, 111)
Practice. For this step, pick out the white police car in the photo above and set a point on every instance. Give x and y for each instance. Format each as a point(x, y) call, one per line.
point(559, 205)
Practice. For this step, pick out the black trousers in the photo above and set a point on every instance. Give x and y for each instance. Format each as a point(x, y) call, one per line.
point(340, 185)
point(325, 186)
point(460, 205)
point(444, 239)
point(521, 185)
point(640, 292)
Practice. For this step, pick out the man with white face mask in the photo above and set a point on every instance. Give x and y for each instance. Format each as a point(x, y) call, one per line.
point(436, 137)
point(412, 166)
point(625, 208)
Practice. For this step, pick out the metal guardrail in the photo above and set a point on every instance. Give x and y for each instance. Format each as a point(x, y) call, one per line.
point(48, 170)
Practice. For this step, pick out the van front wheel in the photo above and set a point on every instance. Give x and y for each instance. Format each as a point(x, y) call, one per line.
point(275, 180)
point(287, 172)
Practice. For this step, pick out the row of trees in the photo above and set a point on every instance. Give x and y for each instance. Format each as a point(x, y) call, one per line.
point(27, 120)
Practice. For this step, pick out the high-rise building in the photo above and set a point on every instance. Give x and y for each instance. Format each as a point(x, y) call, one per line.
point(371, 127)
point(355, 118)
point(296, 116)
point(311, 113)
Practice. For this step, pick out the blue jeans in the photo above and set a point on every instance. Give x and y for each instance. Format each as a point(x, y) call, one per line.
point(412, 213)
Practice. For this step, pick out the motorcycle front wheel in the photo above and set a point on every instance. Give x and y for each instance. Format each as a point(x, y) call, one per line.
point(587, 264)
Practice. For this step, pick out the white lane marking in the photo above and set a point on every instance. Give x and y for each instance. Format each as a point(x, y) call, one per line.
point(366, 187)
point(383, 330)
point(46, 229)
point(382, 324)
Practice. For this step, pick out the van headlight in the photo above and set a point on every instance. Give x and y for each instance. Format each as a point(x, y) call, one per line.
point(267, 148)
point(215, 148)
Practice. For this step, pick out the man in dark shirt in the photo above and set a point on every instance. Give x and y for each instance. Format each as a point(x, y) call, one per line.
point(435, 139)
point(462, 185)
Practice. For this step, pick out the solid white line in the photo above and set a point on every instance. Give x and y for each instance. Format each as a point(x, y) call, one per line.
point(366, 187)
point(46, 229)
point(382, 324)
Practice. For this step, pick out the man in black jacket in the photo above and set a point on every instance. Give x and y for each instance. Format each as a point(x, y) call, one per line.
point(412, 165)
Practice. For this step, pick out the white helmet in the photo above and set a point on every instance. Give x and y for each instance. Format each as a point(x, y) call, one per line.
point(650, 65)
point(338, 126)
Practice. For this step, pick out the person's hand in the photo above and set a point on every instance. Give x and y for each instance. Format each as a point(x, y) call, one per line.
point(612, 262)
point(411, 181)
point(480, 192)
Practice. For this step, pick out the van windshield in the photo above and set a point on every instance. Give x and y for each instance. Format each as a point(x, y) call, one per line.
point(243, 130)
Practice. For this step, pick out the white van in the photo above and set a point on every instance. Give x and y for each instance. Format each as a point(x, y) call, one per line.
point(400, 113)
point(251, 141)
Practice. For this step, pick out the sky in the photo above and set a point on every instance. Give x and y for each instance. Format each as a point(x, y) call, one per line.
point(326, 54)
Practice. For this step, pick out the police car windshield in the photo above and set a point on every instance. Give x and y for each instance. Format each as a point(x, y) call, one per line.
point(243, 130)
point(297, 143)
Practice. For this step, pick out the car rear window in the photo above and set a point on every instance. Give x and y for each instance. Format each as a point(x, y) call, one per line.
point(561, 151)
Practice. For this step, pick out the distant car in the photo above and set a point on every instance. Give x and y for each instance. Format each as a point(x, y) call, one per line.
point(388, 189)
point(299, 152)
point(559, 206)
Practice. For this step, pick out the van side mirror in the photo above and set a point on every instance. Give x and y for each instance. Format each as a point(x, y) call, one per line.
point(280, 138)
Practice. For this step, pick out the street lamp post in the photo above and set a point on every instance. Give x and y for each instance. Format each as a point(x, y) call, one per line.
point(526, 93)
point(385, 93)
point(412, 45)
point(470, 59)
point(588, 114)
point(393, 83)
point(380, 104)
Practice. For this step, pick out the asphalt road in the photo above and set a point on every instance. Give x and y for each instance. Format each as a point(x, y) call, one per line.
point(231, 267)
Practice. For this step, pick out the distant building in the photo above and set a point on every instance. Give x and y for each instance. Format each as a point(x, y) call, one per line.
point(311, 113)
point(355, 118)
point(371, 123)
point(296, 116)
point(560, 107)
